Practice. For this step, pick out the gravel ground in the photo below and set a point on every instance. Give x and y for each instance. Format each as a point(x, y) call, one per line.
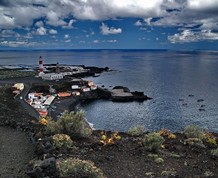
point(15, 153)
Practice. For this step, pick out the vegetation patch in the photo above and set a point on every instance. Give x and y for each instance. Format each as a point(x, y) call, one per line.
point(214, 153)
point(136, 130)
point(62, 141)
point(4, 74)
point(168, 173)
point(71, 167)
point(159, 160)
point(152, 141)
point(70, 123)
point(193, 131)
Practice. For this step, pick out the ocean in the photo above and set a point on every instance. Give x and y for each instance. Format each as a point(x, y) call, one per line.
point(183, 85)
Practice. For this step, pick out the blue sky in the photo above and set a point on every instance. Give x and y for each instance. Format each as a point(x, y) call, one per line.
point(109, 24)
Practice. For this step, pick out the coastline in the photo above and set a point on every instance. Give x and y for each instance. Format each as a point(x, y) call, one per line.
point(31, 84)
point(124, 158)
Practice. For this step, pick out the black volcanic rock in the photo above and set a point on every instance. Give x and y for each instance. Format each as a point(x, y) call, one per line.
point(125, 89)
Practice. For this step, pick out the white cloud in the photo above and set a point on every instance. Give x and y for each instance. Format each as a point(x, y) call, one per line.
point(111, 41)
point(188, 36)
point(70, 24)
point(143, 28)
point(9, 33)
point(66, 36)
point(53, 32)
point(105, 30)
point(202, 5)
point(165, 13)
point(101, 10)
point(41, 31)
point(67, 41)
point(6, 21)
point(105, 41)
point(16, 43)
point(138, 23)
point(54, 19)
point(39, 24)
point(28, 36)
point(96, 41)
point(22, 13)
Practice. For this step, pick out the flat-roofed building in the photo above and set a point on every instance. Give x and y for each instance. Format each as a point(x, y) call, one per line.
point(49, 100)
point(52, 76)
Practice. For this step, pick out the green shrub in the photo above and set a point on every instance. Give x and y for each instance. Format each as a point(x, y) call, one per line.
point(62, 141)
point(214, 152)
point(168, 173)
point(197, 142)
point(159, 160)
point(193, 131)
point(53, 128)
point(70, 123)
point(75, 124)
point(208, 174)
point(136, 130)
point(72, 167)
point(152, 141)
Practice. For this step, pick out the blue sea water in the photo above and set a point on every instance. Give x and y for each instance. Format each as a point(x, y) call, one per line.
point(169, 77)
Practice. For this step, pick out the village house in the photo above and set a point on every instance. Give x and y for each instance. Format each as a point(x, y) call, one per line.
point(52, 76)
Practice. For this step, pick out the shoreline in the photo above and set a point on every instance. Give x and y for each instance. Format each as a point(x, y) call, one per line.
point(33, 84)
point(124, 158)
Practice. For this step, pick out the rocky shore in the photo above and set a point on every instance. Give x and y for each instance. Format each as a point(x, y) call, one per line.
point(123, 158)
point(192, 153)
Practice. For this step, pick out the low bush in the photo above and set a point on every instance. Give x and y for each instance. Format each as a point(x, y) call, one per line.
point(210, 139)
point(71, 167)
point(214, 153)
point(136, 130)
point(62, 141)
point(159, 160)
point(167, 133)
point(168, 173)
point(152, 141)
point(193, 131)
point(53, 128)
point(196, 142)
point(70, 123)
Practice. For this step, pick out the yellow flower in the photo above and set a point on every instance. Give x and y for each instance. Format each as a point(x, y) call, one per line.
point(171, 136)
point(103, 137)
point(43, 121)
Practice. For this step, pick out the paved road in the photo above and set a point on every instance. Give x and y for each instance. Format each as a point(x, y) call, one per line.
point(20, 98)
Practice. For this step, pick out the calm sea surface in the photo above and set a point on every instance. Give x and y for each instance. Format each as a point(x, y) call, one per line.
point(169, 77)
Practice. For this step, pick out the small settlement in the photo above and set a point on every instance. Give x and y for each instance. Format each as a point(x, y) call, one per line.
point(55, 81)
point(42, 99)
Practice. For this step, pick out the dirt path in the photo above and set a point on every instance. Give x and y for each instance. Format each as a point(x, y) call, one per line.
point(15, 152)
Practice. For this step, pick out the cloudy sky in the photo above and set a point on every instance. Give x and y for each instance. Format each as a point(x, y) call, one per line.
point(105, 24)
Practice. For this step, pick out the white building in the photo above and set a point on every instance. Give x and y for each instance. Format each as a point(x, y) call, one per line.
point(76, 93)
point(90, 83)
point(75, 87)
point(49, 100)
point(52, 76)
point(31, 96)
point(86, 89)
point(94, 87)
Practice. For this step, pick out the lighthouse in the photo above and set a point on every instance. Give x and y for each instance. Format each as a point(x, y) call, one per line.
point(41, 67)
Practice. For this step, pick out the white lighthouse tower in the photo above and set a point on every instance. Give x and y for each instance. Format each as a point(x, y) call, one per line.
point(41, 67)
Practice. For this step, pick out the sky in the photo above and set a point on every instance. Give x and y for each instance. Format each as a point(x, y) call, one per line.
point(109, 24)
